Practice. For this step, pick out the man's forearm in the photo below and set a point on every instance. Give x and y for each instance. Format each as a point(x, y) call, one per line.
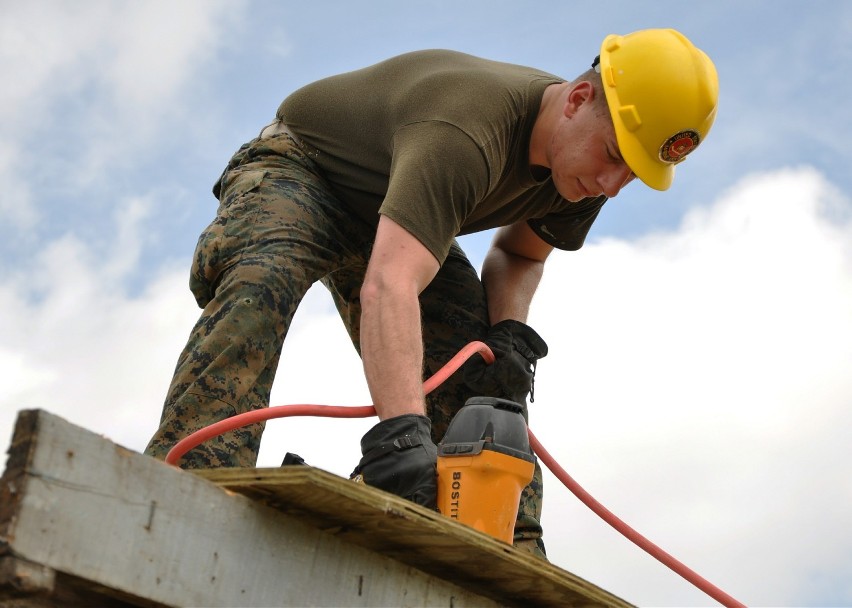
point(392, 352)
point(391, 338)
point(510, 282)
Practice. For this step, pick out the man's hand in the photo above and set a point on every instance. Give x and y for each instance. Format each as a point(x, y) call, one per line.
point(400, 457)
point(517, 348)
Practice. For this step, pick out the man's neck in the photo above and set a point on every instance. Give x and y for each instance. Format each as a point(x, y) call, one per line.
point(549, 113)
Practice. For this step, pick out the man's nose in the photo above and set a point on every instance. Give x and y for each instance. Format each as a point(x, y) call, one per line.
point(615, 179)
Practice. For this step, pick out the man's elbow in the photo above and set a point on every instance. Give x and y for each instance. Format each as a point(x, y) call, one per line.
point(519, 240)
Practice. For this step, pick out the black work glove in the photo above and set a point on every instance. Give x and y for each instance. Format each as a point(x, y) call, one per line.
point(400, 458)
point(517, 348)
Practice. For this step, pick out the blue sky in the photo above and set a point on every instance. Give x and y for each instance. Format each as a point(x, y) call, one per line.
point(699, 378)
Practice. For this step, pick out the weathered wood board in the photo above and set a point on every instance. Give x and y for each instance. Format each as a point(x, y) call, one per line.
point(84, 522)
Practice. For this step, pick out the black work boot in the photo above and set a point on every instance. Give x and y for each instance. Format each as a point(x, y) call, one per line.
point(400, 457)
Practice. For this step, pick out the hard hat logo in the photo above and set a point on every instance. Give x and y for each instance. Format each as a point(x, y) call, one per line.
point(678, 146)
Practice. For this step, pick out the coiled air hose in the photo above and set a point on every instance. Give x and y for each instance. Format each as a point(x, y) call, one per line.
point(330, 411)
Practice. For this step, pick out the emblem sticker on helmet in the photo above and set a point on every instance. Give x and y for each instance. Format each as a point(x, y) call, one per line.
point(678, 146)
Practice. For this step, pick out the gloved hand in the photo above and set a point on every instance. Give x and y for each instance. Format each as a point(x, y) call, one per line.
point(400, 457)
point(517, 348)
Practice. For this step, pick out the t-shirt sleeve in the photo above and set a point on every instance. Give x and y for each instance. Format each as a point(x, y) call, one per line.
point(568, 227)
point(438, 175)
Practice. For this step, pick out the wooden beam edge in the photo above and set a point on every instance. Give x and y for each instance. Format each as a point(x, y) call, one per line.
point(14, 480)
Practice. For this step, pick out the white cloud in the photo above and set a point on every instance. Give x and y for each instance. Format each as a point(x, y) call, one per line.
point(16, 203)
point(83, 348)
point(139, 56)
point(92, 86)
point(698, 385)
point(697, 381)
point(38, 41)
point(319, 365)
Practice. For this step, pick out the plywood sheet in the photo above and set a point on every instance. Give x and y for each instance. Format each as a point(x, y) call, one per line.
point(413, 535)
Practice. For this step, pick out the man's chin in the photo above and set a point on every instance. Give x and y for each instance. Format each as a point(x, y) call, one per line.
point(572, 192)
point(572, 197)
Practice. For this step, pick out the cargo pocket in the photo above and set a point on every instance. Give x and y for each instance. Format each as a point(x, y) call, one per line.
point(221, 244)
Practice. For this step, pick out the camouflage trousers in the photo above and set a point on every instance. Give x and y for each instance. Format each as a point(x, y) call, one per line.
point(278, 230)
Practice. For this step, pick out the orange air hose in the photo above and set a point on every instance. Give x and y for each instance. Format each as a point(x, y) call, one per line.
point(281, 411)
point(329, 411)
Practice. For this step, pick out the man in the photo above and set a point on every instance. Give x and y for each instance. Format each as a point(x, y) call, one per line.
point(364, 181)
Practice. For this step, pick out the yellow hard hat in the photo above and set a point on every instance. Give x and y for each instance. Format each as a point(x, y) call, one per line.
point(662, 94)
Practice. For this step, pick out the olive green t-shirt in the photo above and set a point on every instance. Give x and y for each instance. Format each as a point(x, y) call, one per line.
point(437, 141)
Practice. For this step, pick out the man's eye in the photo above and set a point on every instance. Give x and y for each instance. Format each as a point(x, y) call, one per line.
point(614, 155)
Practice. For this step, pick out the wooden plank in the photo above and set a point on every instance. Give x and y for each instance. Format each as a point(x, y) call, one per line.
point(413, 535)
point(83, 518)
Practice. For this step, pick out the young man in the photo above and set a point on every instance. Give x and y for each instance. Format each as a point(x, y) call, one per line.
point(364, 181)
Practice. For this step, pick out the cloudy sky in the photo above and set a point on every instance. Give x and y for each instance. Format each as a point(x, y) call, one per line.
point(699, 381)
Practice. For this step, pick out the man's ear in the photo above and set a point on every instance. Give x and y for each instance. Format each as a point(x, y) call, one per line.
point(579, 93)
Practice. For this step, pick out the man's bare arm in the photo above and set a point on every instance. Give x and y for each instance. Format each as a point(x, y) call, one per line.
point(512, 270)
point(400, 268)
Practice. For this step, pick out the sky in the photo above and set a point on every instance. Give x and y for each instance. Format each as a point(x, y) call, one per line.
point(699, 379)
